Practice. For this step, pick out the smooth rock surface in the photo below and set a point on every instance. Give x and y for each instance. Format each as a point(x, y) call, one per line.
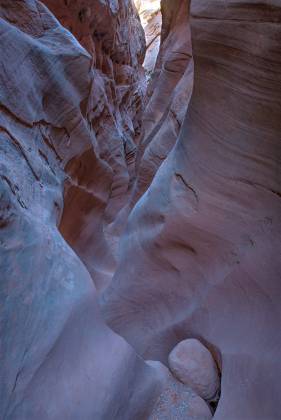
point(193, 365)
point(168, 94)
point(58, 359)
point(167, 98)
point(200, 256)
point(205, 237)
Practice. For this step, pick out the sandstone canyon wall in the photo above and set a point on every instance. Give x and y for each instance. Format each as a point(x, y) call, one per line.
point(205, 238)
point(85, 145)
point(151, 18)
point(168, 94)
point(113, 35)
point(58, 359)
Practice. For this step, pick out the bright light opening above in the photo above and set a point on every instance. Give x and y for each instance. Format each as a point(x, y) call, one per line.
point(151, 19)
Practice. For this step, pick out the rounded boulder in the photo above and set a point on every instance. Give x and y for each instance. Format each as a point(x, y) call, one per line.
point(192, 364)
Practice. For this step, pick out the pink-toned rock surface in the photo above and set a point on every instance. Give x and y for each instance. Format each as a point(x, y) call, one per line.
point(167, 99)
point(176, 400)
point(58, 359)
point(200, 257)
point(201, 254)
point(168, 94)
point(151, 19)
point(193, 365)
point(112, 34)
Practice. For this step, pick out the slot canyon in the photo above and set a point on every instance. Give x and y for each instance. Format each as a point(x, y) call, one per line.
point(140, 209)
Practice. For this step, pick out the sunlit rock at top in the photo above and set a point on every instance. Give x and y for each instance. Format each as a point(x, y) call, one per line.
point(151, 19)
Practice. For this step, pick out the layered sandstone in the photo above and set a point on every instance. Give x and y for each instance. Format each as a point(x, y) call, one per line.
point(151, 19)
point(58, 359)
point(167, 98)
point(168, 94)
point(205, 238)
point(86, 145)
point(113, 36)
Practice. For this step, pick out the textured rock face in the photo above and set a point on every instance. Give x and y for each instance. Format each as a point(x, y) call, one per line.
point(177, 401)
point(151, 18)
point(112, 34)
point(205, 238)
point(194, 365)
point(168, 94)
point(58, 359)
point(201, 254)
point(167, 98)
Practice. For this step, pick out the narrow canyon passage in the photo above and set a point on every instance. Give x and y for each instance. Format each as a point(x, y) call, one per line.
point(140, 212)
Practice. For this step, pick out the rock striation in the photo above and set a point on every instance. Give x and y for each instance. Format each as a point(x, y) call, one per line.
point(205, 238)
point(151, 19)
point(58, 358)
point(88, 149)
point(168, 94)
point(167, 98)
point(112, 34)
